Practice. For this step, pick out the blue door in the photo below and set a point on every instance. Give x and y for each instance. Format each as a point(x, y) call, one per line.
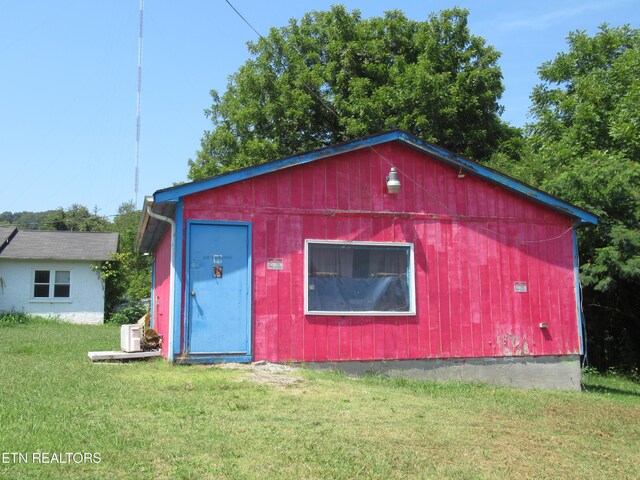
point(219, 291)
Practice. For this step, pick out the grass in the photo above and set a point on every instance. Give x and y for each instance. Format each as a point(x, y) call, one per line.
point(151, 420)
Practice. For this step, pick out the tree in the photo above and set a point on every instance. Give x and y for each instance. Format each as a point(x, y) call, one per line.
point(584, 146)
point(135, 268)
point(334, 76)
point(128, 274)
point(76, 218)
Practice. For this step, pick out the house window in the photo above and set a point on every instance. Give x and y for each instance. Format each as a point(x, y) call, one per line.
point(359, 278)
point(52, 284)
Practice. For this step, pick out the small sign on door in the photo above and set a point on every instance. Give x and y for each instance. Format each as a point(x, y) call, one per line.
point(217, 271)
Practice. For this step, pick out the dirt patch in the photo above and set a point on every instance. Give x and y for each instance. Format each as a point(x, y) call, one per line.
point(267, 373)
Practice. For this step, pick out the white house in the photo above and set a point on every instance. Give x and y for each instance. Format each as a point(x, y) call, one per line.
point(50, 273)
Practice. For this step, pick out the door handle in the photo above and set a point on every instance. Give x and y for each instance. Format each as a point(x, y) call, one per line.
point(193, 293)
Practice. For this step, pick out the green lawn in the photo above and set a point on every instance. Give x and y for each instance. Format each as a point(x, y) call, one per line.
point(151, 420)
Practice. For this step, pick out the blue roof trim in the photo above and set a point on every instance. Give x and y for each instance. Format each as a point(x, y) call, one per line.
point(173, 194)
point(512, 184)
point(578, 289)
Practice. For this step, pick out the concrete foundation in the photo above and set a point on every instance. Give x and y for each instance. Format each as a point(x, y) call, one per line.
point(548, 372)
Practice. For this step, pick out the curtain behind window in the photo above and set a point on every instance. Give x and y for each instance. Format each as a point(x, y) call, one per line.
point(358, 278)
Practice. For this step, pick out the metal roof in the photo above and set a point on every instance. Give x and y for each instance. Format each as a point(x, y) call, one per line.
point(60, 245)
point(172, 195)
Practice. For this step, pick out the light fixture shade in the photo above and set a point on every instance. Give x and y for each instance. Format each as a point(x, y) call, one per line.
point(393, 184)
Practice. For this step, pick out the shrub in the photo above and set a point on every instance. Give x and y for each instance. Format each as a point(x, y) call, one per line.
point(127, 314)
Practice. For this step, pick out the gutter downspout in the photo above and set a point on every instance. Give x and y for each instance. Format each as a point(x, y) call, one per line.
point(149, 202)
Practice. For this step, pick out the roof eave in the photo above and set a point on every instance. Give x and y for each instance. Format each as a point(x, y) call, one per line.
point(170, 196)
point(151, 230)
point(581, 216)
point(173, 194)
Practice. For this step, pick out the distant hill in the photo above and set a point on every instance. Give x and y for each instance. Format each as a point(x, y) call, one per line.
point(25, 220)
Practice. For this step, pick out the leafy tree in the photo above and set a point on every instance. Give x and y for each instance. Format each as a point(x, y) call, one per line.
point(584, 146)
point(76, 218)
point(135, 268)
point(334, 76)
point(128, 275)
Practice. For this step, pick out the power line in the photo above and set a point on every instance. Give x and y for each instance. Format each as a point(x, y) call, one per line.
point(245, 20)
point(453, 212)
point(266, 40)
point(436, 199)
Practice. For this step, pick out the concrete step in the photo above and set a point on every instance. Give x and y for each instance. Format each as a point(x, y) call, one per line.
point(113, 355)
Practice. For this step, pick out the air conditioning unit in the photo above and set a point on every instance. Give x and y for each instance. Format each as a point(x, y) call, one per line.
point(130, 338)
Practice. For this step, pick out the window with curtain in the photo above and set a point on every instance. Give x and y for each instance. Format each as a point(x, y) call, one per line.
point(359, 278)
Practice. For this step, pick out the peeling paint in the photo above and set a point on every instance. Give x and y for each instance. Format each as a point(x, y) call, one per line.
point(512, 345)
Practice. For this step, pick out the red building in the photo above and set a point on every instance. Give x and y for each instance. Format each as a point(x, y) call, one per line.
point(462, 272)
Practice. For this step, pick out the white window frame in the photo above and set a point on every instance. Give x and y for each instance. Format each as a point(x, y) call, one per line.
point(411, 274)
point(52, 283)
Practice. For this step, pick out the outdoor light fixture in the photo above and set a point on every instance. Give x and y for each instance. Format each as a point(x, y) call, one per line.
point(393, 184)
point(461, 173)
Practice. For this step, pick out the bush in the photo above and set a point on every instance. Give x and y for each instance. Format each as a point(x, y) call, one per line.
point(127, 314)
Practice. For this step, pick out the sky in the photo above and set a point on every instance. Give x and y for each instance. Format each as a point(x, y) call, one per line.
point(69, 80)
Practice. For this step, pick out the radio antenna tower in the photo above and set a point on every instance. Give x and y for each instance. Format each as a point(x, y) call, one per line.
point(137, 172)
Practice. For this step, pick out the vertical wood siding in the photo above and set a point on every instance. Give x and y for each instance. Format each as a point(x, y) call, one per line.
point(162, 270)
point(472, 241)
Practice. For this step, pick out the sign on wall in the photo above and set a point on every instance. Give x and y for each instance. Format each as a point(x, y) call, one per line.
point(274, 264)
point(520, 287)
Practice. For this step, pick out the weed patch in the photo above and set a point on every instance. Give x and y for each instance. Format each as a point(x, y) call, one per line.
point(11, 319)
